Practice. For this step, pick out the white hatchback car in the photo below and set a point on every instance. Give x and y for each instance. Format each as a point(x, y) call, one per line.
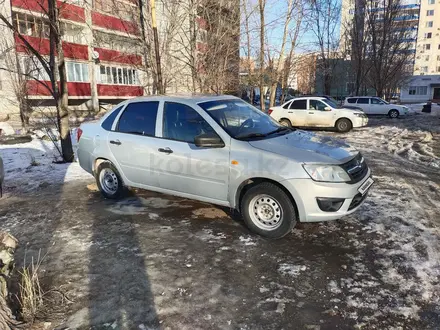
point(318, 112)
point(376, 106)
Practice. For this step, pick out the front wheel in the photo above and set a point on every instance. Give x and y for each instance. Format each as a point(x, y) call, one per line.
point(393, 113)
point(109, 181)
point(268, 211)
point(343, 125)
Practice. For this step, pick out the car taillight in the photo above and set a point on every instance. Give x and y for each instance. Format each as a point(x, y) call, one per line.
point(269, 111)
point(79, 132)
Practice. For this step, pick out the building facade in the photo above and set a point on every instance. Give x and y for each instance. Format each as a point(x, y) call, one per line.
point(421, 88)
point(108, 57)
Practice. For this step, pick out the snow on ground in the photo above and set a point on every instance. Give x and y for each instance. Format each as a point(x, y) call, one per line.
point(29, 165)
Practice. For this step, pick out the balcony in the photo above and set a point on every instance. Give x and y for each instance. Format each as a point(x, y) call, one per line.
point(67, 11)
point(114, 23)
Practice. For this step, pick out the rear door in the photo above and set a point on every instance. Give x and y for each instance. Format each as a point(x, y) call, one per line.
point(297, 113)
point(318, 117)
point(364, 104)
point(133, 143)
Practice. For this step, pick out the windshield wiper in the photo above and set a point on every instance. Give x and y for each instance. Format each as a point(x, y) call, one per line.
point(280, 129)
point(250, 135)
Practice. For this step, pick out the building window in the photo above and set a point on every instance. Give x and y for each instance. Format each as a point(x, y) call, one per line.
point(427, 58)
point(438, 57)
point(427, 46)
point(430, 12)
point(424, 69)
point(418, 90)
point(118, 75)
point(33, 69)
point(431, 2)
point(438, 69)
point(429, 24)
point(72, 33)
point(77, 72)
point(30, 26)
point(428, 35)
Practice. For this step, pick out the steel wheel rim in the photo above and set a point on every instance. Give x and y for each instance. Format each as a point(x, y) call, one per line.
point(342, 125)
point(109, 181)
point(265, 212)
point(284, 123)
point(394, 114)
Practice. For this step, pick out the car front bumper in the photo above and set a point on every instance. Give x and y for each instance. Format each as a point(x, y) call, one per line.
point(360, 121)
point(306, 191)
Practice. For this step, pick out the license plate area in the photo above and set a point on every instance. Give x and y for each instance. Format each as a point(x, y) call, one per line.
point(365, 186)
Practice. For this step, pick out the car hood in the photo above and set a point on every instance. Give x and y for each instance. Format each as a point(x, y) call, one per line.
point(307, 147)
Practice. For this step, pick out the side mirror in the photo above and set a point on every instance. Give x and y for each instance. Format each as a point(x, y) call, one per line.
point(327, 109)
point(209, 140)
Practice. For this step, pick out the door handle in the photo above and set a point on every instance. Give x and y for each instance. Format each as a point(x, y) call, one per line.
point(311, 113)
point(165, 150)
point(117, 142)
point(290, 112)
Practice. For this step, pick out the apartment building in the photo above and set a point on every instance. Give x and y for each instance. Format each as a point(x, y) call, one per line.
point(106, 58)
point(427, 60)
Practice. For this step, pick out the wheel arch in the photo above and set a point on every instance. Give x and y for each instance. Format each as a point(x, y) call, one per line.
point(248, 183)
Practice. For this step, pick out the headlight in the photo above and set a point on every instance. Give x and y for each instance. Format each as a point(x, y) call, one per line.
point(359, 114)
point(326, 173)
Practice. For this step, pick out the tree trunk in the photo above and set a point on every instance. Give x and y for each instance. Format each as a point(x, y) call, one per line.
point(273, 93)
point(8, 244)
point(61, 95)
point(262, 4)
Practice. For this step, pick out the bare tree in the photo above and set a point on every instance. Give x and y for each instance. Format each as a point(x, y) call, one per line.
point(388, 52)
point(54, 66)
point(324, 22)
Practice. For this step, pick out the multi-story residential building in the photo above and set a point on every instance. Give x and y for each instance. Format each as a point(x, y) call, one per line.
point(107, 57)
point(428, 39)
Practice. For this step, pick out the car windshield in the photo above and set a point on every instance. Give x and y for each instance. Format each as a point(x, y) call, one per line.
point(241, 120)
point(377, 98)
point(332, 104)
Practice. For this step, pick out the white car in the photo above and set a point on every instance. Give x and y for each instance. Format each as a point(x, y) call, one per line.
point(317, 112)
point(376, 106)
point(2, 176)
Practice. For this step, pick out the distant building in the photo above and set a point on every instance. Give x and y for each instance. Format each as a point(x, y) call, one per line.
point(421, 88)
point(103, 52)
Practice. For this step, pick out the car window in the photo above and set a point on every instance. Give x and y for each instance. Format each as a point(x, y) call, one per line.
point(316, 105)
point(286, 105)
point(108, 122)
point(363, 100)
point(299, 105)
point(139, 118)
point(183, 123)
point(352, 100)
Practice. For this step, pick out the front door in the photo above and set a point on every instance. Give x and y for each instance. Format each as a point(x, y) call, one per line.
point(184, 167)
point(297, 113)
point(436, 95)
point(318, 116)
point(377, 107)
point(134, 145)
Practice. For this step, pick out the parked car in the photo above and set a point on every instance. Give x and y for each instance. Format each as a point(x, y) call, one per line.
point(377, 106)
point(224, 151)
point(2, 176)
point(317, 112)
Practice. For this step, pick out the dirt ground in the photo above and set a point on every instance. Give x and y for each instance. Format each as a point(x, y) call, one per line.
point(153, 261)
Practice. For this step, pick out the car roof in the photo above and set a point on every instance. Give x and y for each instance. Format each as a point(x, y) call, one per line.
point(184, 98)
point(309, 98)
point(359, 97)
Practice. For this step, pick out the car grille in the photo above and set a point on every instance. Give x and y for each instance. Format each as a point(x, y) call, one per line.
point(357, 200)
point(356, 168)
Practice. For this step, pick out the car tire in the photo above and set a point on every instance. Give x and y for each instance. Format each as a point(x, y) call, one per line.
point(393, 113)
point(109, 181)
point(343, 125)
point(268, 211)
point(285, 122)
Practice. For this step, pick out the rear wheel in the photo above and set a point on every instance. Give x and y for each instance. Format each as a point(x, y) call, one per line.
point(343, 125)
point(109, 181)
point(285, 122)
point(268, 211)
point(393, 113)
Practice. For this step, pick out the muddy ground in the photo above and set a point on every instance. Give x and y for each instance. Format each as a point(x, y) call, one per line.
point(153, 261)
